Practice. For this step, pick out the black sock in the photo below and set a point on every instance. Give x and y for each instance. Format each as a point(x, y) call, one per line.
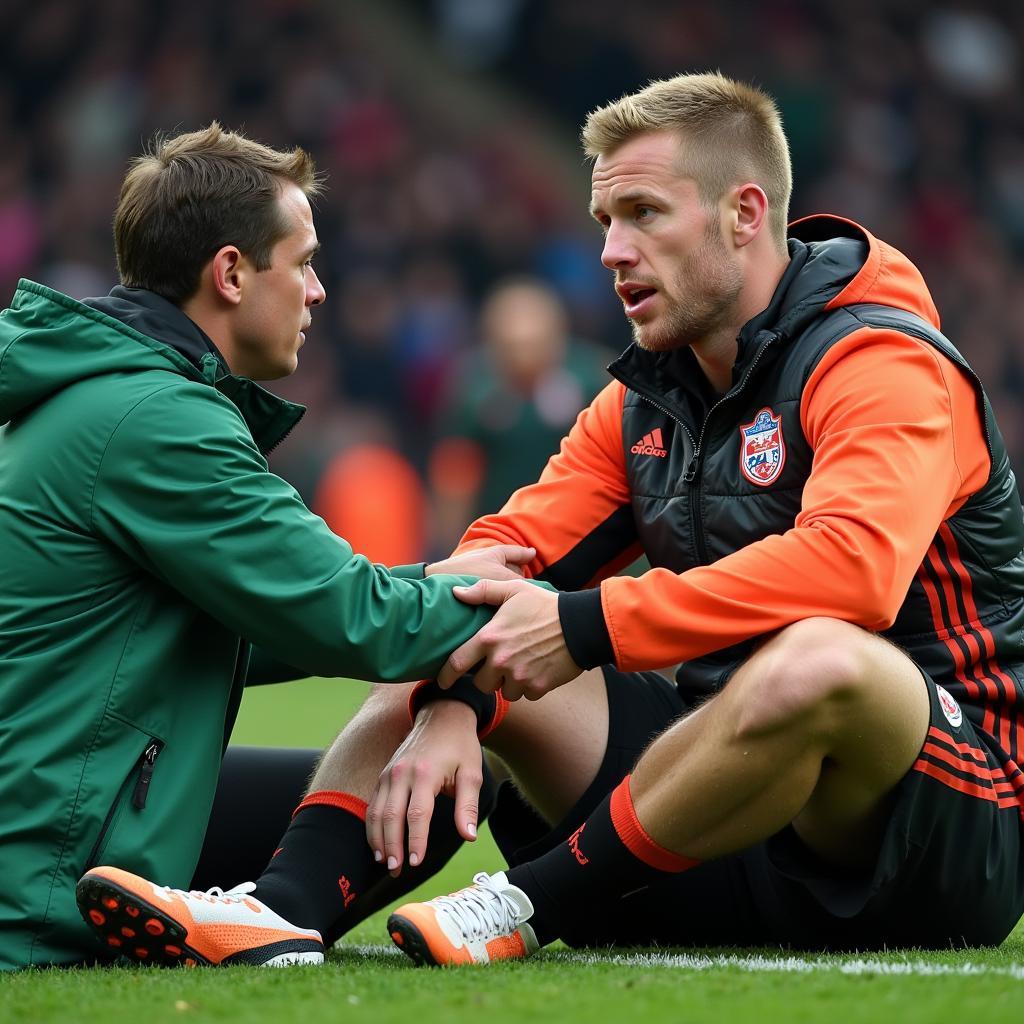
point(323, 865)
point(324, 875)
point(608, 856)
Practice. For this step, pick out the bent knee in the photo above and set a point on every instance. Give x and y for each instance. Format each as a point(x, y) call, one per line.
point(809, 673)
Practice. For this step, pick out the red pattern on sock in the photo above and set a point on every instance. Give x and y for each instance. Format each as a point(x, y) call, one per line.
point(635, 838)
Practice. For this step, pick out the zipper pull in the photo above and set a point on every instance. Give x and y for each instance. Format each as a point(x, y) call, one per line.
point(691, 470)
point(145, 775)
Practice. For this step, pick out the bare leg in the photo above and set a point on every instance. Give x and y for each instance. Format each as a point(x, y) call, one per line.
point(552, 747)
point(816, 728)
point(354, 761)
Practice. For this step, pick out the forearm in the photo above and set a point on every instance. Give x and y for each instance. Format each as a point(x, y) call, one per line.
point(578, 515)
point(205, 516)
point(662, 618)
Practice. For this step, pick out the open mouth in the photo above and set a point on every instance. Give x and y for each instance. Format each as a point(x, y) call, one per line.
point(636, 298)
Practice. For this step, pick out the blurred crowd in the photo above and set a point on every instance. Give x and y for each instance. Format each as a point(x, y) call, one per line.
point(468, 317)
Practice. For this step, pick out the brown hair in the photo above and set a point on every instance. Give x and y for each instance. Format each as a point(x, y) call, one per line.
point(189, 195)
point(734, 135)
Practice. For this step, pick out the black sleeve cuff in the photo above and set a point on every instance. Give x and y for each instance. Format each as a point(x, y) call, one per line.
point(583, 626)
point(463, 689)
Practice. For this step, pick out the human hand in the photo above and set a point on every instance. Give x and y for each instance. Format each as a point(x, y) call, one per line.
point(441, 754)
point(500, 562)
point(522, 648)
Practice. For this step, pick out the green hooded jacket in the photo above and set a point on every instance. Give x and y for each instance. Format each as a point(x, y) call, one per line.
point(143, 546)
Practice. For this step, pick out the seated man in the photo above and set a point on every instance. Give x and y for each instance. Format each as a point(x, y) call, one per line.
point(837, 545)
point(146, 546)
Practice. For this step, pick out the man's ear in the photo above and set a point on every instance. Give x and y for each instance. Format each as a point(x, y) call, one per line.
point(227, 270)
point(749, 210)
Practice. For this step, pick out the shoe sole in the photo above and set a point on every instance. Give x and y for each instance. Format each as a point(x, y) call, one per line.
point(411, 941)
point(132, 927)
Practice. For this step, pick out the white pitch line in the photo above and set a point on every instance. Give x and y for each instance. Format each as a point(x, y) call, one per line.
point(755, 964)
point(790, 964)
point(366, 950)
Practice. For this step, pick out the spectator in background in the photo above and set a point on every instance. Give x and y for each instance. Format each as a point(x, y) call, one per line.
point(371, 495)
point(906, 116)
point(510, 402)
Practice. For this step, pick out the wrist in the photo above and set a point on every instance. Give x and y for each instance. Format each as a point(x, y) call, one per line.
point(487, 708)
point(449, 711)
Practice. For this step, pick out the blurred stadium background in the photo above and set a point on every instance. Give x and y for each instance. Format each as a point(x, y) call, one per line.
point(468, 316)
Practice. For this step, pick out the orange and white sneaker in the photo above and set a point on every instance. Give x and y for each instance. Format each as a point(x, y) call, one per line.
point(484, 922)
point(154, 924)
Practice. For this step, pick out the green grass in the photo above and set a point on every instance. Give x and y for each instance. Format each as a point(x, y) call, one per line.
point(365, 981)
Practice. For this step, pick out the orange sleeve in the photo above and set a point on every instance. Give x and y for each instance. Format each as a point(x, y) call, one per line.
point(898, 447)
point(578, 515)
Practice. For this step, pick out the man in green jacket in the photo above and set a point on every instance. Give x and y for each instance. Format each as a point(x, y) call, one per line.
point(146, 546)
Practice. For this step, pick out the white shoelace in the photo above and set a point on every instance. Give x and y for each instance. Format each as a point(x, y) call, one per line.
point(482, 909)
point(235, 895)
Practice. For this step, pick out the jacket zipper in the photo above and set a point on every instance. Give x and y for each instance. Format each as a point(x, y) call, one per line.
point(145, 776)
point(144, 769)
point(693, 467)
point(210, 369)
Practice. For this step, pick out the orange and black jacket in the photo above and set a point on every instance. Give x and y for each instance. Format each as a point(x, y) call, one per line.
point(853, 470)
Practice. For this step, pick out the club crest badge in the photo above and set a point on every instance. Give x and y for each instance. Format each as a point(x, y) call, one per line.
point(762, 449)
point(950, 708)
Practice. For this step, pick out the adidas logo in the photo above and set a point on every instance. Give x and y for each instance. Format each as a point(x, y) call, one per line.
point(650, 444)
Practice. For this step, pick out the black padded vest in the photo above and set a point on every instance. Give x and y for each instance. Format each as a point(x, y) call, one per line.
point(962, 619)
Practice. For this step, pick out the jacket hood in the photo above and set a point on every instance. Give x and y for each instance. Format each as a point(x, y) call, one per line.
point(49, 341)
point(156, 317)
point(846, 265)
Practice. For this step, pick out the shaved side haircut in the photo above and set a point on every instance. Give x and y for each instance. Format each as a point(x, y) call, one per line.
point(729, 132)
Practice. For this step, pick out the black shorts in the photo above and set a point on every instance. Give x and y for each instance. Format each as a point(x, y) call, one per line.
point(950, 871)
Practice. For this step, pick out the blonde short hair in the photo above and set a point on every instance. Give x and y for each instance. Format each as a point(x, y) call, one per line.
point(733, 130)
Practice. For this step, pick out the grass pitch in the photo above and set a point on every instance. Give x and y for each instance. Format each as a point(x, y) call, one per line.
point(365, 980)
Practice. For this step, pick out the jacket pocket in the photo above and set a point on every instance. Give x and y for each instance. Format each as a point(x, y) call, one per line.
point(134, 792)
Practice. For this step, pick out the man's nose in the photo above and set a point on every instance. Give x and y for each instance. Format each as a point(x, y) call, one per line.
point(315, 292)
point(618, 251)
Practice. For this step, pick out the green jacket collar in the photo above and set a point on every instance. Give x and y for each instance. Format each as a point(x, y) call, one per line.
point(270, 419)
point(49, 341)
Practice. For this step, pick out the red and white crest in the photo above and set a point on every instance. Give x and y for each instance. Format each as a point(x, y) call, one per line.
point(762, 449)
point(950, 708)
